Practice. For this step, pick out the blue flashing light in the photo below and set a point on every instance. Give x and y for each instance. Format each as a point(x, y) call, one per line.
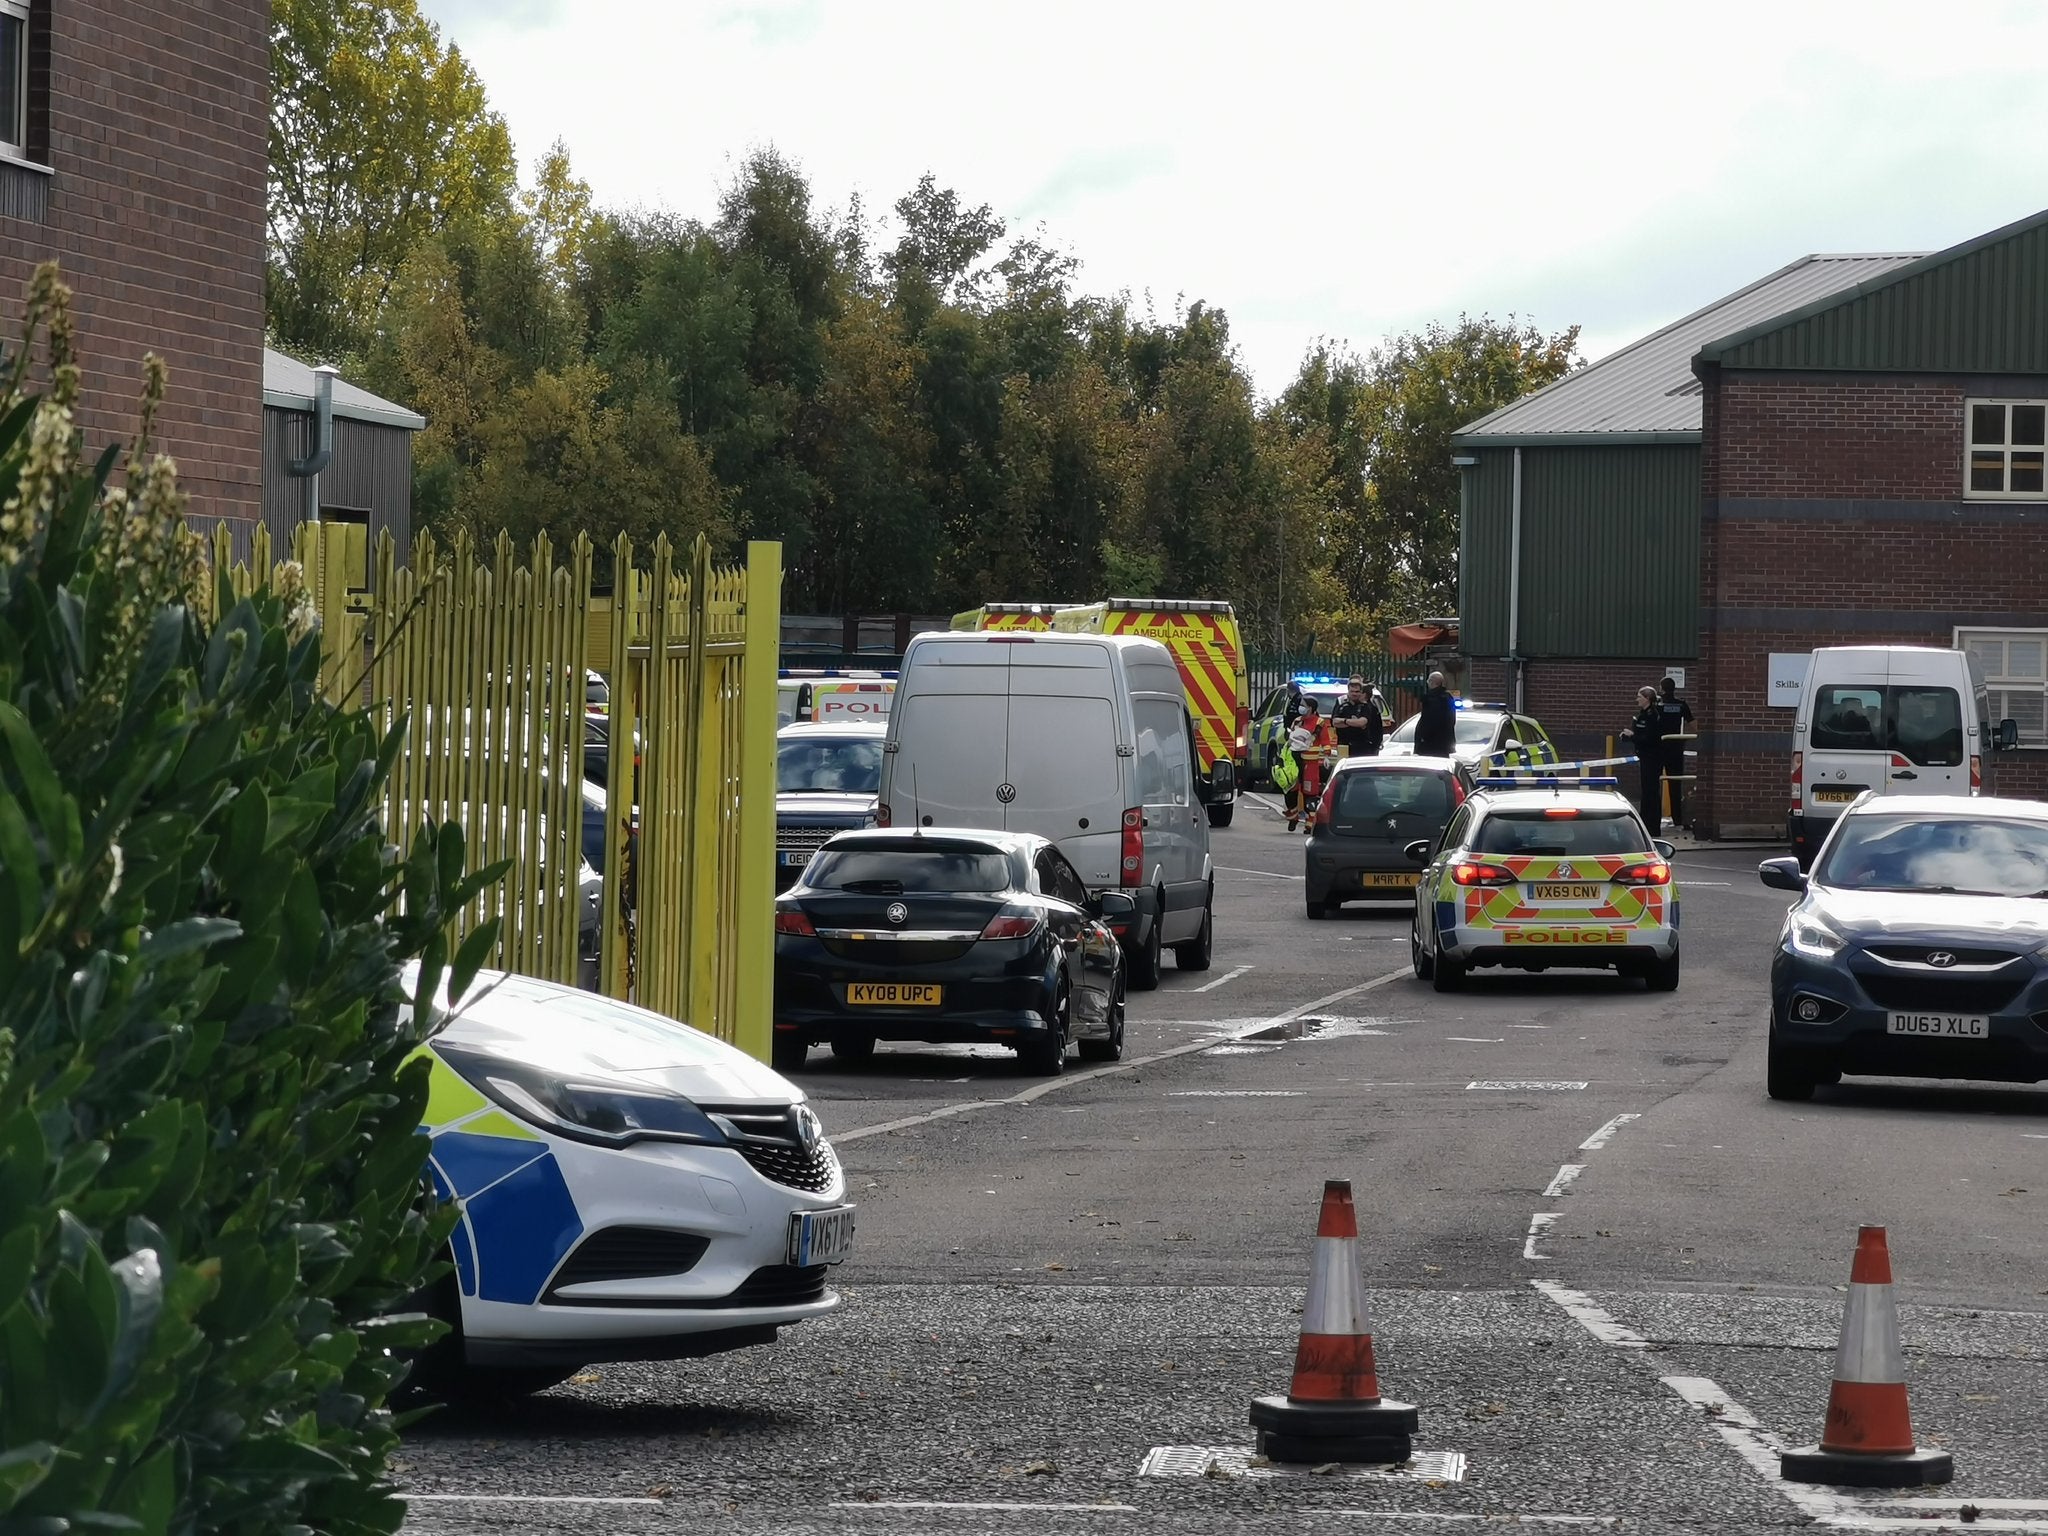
point(1476, 704)
point(1319, 679)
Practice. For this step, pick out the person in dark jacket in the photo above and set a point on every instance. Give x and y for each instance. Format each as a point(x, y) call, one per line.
point(1677, 723)
point(1357, 721)
point(1436, 727)
point(1646, 736)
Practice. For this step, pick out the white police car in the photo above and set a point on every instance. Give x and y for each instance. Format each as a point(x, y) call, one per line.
point(630, 1189)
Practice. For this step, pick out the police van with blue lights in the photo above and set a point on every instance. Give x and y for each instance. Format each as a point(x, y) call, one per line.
point(1534, 873)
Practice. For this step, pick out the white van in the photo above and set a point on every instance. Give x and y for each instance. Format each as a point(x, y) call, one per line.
point(1083, 739)
point(1892, 719)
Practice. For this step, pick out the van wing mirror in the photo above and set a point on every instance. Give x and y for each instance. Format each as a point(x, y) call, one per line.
point(2008, 735)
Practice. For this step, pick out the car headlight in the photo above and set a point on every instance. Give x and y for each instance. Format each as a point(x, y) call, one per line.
point(1808, 935)
point(601, 1113)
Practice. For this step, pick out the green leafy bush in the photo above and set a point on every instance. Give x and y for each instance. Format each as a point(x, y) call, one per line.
point(209, 1159)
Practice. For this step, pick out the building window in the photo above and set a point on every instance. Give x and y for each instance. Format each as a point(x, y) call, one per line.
point(14, 77)
point(2014, 664)
point(2008, 449)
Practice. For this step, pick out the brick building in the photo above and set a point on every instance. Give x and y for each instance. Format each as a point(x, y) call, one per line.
point(1849, 451)
point(133, 145)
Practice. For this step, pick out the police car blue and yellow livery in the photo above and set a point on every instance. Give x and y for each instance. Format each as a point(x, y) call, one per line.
point(1536, 873)
point(628, 1187)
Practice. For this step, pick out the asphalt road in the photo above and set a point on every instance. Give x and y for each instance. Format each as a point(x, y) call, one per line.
point(1608, 1270)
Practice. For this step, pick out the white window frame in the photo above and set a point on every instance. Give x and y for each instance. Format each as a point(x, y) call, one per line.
point(1999, 685)
point(1970, 447)
point(14, 135)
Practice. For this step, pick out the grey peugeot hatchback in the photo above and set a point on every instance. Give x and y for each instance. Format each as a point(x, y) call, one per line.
point(1371, 810)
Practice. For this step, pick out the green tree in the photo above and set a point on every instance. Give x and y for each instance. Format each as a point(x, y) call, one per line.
point(1385, 423)
point(380, 138)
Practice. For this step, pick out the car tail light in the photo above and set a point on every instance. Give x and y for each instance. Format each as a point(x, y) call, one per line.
point(1133, 871)
point(1798, 780)
point(1481, 874)
point(1326, 808)
point(1010, 925)
point(792, 921)
point(1900, 760)
point(882, 814)
point(1976, 773)
point(1651, 872)
point(1457, 793)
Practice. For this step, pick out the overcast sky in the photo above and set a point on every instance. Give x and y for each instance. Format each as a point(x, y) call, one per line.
point(1346, 170)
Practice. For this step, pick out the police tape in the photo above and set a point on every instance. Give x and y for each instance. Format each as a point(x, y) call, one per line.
point(1522, 761)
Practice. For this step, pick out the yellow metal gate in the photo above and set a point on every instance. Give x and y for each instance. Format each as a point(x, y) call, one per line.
point(487, 660)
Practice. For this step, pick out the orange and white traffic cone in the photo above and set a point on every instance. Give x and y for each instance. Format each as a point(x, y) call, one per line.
point(1867, 1441)
point(1333, 1410)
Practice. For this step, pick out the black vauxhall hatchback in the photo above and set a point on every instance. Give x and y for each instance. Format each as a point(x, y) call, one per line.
point(944, 935)
point(1371, 810)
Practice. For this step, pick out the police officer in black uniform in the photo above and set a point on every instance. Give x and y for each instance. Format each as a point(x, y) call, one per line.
point(1677, 721)
point(1357, 721)
point(1646, 735)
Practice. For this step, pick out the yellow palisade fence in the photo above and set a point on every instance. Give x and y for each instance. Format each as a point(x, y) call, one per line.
point(486, 659)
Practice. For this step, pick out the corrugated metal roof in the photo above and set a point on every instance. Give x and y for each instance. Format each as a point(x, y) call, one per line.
point(1977, 307)
point(1646, 392)
point(288, 384)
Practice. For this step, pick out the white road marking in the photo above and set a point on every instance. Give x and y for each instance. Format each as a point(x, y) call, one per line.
point(1605, 1134)
point(525, 1498)
point(1053, 1084)
point(1740, 1431)
point(1565, 1175)
point(1595, 1319)
point(1538, 1224)
point(1426, 1515)
point(1477, 1039)
point(1238, 1093)
point(1071, 1509)
point(1528, 1026)
point(1514, 1085)
point(1235, 1461)
point(1226, 869)
point(1224, 980)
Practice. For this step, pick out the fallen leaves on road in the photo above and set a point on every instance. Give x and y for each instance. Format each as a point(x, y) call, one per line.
point(2013, 1192)
point(659, 1490)
point(1041, 1468)
point(1055, 1268)
point(1327, 1469)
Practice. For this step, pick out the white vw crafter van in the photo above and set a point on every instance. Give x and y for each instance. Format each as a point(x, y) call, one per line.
point(1891, 719)
point(1083, 739)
